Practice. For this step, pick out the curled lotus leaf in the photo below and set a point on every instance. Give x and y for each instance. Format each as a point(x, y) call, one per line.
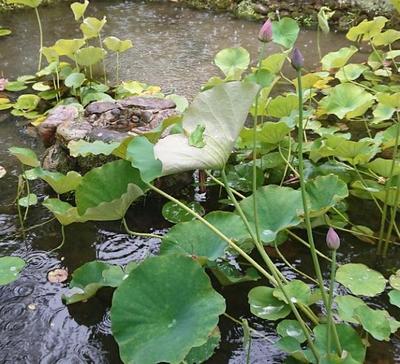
point(367, 29)
point(79, 9)
point(116, 45)
point(91, 27)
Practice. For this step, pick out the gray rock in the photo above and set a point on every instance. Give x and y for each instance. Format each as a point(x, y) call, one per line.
point(147, 103)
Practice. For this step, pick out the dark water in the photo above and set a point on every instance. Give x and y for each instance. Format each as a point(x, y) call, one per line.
point(174, 47)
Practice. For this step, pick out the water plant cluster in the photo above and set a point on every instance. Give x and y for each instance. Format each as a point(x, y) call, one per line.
point(317, 142)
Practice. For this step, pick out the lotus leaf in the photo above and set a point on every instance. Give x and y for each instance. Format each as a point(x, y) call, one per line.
point(116, 45)
point(324, 15)
point(396, 4)
point(263, 304)
point(383, 167)
point(79, 9)
point(274, 62)
point(194, 238)
point(68, 47)
point(338, 59)
point(291, 328)
point(84, 148)
point(394, 297)
point(15, 86)
point(285, 32)
point(346, 306)
point(91, 27)
point(27, 102)
point(4, 32)
point(175, 214)
point(89, 56)
point(75, 80)
point(350, 72)
point(41, 86)
point(26, 156)
point(64, 212)
point(201, 353)
point(59, 182)
point(282, 106)
point(360, 279)
point(228, 274)
point(164, 308)
point(10, 267)
point(29, 200)
point(296, 290)
point(213, 108)
point(30, 3)
point(394, 280)
point(367, 30)
point(240, 177)
point(232, 61)
point(385, 38)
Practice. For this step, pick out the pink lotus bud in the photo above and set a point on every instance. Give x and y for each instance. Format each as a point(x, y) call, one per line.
point(332, 239)
point(297, 59)
point(3, 83)
point(265, 34)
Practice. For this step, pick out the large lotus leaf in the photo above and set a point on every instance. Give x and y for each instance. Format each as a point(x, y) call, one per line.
point(64, 212)
point(360, 279)
point(163, 309)
point(337, 59)
point(83, 148)
point(278, 208)
point(232, 61)
point(10, 267)
point(282, 106)
point(25, 156)
point(201, 353)
point(116, 45)
point(265, 305)
point(79, 9)
point(383, 167)
point(273, 132)
point(27, 102)
point(196, 239)
point(296, 290)
point(285, 32)
point(90, 277)
point(366, 30)
point(30, 3)
point(376, 322)
point(91, 27)
point(382, 112)
point(346, 306)
point(90, 55)
point(228, 274)
point(140, 152)
point(350, 340)
point(325, 192)
point(390, 100)
point(68, 47)
point(385, 38)
point(344, 99)
point(60, 183)
point(350, 72)
point(214, 110)
point(109, 190)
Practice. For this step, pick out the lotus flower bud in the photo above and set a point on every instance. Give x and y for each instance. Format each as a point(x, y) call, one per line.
point(297, 59)
point(265, 34)
point(332, 239)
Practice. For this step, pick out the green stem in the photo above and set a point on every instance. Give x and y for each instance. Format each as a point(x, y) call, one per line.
point(40, 224)
point(19, 192)
point(62, 239)
point(104, 64)
point(117, 68)
point(318, 42)
point(218, 182)
point(40, 38)
point(144, 235)
point(307, 218)
point(331, 294)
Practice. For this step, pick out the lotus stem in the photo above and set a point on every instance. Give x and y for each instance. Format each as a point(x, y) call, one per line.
point(62, 239)
point(331, 294)
point(19, 192)
point(40, 38)
point(104, 64)
point(117, 68)
point(218, 182)
point(144, 235)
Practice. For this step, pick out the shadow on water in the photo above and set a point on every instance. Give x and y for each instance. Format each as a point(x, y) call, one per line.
point(174, 47)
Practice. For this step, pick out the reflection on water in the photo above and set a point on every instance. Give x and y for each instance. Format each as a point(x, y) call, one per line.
point(174, 47)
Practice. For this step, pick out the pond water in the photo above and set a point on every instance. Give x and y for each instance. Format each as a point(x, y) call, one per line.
point(174, 47)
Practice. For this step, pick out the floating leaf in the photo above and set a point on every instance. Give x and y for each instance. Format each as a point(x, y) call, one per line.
point(375, 322)
point(360, 279)
point(25, 156)
point(338, 59)
point(164, 298)
point(175, 214)
point(75, 80)
point(285, 32)
point(15, 86)
point(194, 238)
point(83, 148)
point(263, 304)
point(90, 56)
point(296, 290)
point(232, 61)
point(394, 280)
point(91, 27)
point(79, 9)
point(10, 267)
point(29, 200)
point(350, 72)
point(228, 274)
point(383, 167)
point(394, 297)
point(346, 306)
point(116, 45)
point(282, 106)
point(291, 328)
point(201, 353)
point(27, 102)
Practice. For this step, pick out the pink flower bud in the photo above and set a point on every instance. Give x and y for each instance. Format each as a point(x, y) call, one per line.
point(265, 34)
point(332, 239)
point(297, 59)
point(3, 83)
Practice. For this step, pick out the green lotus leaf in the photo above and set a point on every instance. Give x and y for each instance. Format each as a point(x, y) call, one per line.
point(116, 45)
point(390, 100)
point(282, 106)
point(274, 62)
point(291, 346)
point(30, 3)
point(376, 322)
point(4, 32)
point(382, 112)
point(345, 99)
point(68, 47)
point(164, 308)
point(91, 27)
point(338, 59)
point(367, 30)
point(324, 15)
point(350, 72)
point(240, 177)
point(10, 267)
point(79, 9)
point(285, 32)
point(383, 167)
point(346, 306)
point(394, 297)
point(172, 212)
point(29, 200)
point(64, 212)
point(181, 102)
point(360, 279)
point(278, 208)
point(232, 61)
point(386, 38)
point(60, 183)
point(195, 239)
point(90, 95)
point(90, 55)
point(27, 102)
point(51, 54)
point(84, 148)
point(296, 290)
point(394, 280)
point(213, 108)
point(107, 192)
point(26, 156)
point(201, 353)
point(350, 340)
point(41, 86)
point(325, 192)
point(227, 274)
point(291, 328)
point(263, 304)
point(75, 80)
point(90, 277)
point(15, 86)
